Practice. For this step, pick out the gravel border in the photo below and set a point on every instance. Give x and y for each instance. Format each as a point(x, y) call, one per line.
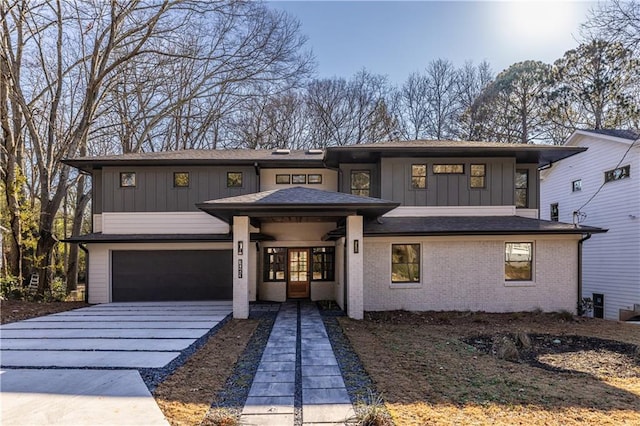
point(360, 387)
point(234, 394)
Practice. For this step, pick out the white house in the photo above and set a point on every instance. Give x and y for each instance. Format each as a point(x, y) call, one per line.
point(603, 187)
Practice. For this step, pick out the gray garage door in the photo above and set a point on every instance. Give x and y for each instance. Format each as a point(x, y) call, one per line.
point(157, 275)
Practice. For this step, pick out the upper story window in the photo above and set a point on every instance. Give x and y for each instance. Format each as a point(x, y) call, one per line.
point(181, 179)
point(127, 179)
point(419, 176)
point(518, 261)
point(457, 169)
point(522, 188)
point(234, 179)
point(299, 179)
point(361, 182)
point(283, 179)
point(478, 175)
point(617, 174)
point(576, 185)
point(554, 212)
point(314, 179)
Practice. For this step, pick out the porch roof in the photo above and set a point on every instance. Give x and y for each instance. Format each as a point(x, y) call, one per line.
point(296, 202)
point(465, 225)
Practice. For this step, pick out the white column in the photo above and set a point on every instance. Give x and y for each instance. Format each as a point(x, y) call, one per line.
point(354, 268)
point(241, 267)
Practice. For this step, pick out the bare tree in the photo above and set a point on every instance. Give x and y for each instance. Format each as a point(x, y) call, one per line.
point(412, 106)
point(442, 98)
point(472, 81)
point(615, 21)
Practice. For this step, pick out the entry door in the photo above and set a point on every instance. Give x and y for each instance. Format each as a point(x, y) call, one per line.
point(298, 285)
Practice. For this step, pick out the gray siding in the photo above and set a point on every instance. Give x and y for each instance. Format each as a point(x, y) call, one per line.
point(96, 192)
point(154, 190)
point(449, 189)
point(344, 178)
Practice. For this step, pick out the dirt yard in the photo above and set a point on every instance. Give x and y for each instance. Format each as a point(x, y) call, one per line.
point(502, 369)
point(17, 310)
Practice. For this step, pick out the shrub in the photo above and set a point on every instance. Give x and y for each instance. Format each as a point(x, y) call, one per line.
point(371, 412)
point(10, 288)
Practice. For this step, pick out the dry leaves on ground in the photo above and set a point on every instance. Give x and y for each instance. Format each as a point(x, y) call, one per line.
point(18, 310)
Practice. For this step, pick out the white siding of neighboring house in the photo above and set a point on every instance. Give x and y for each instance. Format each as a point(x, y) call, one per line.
point(467, 273)
point(611, 261)
point(268, 179)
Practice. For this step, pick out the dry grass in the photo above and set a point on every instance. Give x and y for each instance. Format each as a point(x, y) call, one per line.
point(18, 310)
point(428, 375)
point(186, 395)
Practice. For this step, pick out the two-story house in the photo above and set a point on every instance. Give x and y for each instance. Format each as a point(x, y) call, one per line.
point(418, 225)
point(601, 188)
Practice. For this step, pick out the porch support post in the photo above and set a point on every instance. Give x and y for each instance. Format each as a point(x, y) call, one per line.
point(354, 268)
point(240, 267)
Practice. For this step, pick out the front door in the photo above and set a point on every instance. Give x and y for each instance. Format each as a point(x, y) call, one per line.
point(298, 284)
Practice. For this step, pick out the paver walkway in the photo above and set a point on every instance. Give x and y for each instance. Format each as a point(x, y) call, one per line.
point(309, 367)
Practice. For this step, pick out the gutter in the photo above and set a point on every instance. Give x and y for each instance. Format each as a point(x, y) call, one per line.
point(84, 248)
point(580, 242)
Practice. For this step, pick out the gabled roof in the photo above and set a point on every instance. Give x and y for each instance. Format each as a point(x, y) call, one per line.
point(616, 133)
point(523, 153)
point(296, 202)
point(465, 225)
point(272, 158)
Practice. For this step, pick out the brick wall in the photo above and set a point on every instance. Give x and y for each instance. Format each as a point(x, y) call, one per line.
point(468, 274)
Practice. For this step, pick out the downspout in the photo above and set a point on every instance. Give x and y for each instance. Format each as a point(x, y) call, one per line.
point(580, 242)
point(86, 271)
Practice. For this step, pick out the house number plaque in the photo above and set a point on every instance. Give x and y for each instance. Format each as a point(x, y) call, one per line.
point(239, 268)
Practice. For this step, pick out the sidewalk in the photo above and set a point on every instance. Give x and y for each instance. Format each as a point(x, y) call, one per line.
point(298, 372)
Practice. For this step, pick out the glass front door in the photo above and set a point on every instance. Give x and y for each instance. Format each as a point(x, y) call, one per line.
point(298, 283)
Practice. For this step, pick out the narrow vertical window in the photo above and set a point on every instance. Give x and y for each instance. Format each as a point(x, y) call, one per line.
point(478, 174)
point(554, 213)
point(405, 263)
point(522, 188)
point(323, 263)
point(518, 261)
point(234, 179)
point(419, 176)
point(275, 263)
point(361, 182)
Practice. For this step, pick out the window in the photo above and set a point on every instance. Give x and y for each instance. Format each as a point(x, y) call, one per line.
point(576, 185)
point(323, 264)
point(478, 174)
point(405, 263)
point(314, 179)
point(518, 261)
point(554, 213)
point(283, 179)
point(275, 264)
point(181, 179)
point(617, 174)
point(127, 180)
point(234, 179)
point(457, 169)
point(522, 188)
point(360, 182)
point(300, 179)
point(419, 176)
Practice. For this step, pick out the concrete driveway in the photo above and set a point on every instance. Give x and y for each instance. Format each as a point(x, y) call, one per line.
point(80, 367)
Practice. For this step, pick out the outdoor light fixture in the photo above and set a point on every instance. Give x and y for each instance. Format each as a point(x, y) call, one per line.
point(240, 248)
point(356, 246)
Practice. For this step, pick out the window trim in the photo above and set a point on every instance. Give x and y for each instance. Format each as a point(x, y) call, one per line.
point(351, 188)
point(415, 176)
point(406, 284)
point(241, 185)
point(134, 180)
point(175, 184)
point(483, 176)
point(520, 282)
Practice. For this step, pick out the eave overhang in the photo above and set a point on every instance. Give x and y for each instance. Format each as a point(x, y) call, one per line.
point(99, 237)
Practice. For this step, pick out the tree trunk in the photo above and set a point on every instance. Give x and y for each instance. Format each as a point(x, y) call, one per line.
point(82, 199)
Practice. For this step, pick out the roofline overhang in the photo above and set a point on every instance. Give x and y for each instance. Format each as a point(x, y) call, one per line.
point(165, 238)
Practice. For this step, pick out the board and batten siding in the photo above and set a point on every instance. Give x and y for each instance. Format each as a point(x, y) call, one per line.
point(154, 190)
point(611, 261)
point(450, 189)
point(96, 191)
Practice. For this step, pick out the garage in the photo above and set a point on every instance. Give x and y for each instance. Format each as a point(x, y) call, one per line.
point(171, 275)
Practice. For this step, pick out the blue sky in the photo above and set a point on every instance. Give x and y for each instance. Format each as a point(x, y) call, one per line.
point(397, 38)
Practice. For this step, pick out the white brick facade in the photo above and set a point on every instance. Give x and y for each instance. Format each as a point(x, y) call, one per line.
point(460, 274)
